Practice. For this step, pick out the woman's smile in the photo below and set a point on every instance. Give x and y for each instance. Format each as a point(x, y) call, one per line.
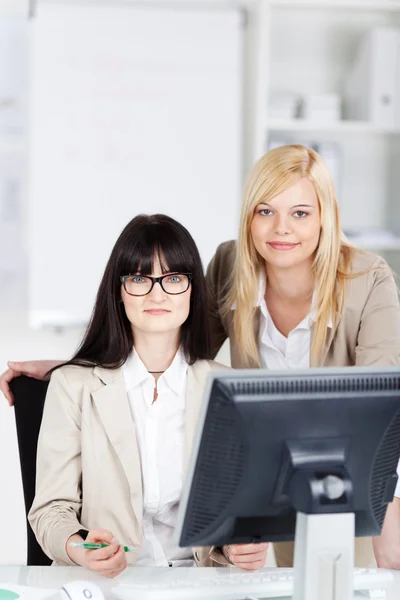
point(282, 246)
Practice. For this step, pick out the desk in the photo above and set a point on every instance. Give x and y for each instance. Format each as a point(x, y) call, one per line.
point(55, 577)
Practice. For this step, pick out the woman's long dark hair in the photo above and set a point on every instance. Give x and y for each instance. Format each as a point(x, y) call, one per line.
point(108, 339)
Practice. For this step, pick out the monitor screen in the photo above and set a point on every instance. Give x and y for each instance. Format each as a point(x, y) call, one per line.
point(270, 444)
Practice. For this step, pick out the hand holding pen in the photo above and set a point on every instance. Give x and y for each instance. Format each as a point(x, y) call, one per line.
point(108, 557)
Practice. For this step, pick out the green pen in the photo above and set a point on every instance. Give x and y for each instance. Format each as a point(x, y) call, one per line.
point(94, 546)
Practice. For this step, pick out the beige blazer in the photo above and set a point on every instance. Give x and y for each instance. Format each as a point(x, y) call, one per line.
point(88, 464)
point(367, 332)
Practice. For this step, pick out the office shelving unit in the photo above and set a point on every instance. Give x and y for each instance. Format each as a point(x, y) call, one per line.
point(377, 5)
point(305, 47)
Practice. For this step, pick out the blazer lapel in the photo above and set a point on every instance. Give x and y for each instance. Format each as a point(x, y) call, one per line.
point(236, 358)
point(112, 403)
point(329, 340)
point(196, 377)
point(256, 328)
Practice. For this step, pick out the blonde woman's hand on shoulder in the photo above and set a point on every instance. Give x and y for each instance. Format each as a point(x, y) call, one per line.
point(31, 368)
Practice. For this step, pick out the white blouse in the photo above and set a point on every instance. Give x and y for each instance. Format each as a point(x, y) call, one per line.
point(160, 434)
point(280, 352)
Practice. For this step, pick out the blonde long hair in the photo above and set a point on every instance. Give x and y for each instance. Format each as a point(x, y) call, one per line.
point(272, 174)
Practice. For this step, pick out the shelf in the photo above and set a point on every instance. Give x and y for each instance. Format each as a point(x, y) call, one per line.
point(384, 6)
point(329, 126)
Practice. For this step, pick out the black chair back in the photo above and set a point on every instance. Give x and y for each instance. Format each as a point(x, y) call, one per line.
point(29, 395)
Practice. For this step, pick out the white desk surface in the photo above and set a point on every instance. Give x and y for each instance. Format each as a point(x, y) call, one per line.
point(55, 577)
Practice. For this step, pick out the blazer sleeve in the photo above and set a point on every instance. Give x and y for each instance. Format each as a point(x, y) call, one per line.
point(55, 512)
point(210, 556)
point(217, 276)
point(379, 334)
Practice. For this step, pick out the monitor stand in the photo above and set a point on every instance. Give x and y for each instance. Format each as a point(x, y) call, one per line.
point(324, 556)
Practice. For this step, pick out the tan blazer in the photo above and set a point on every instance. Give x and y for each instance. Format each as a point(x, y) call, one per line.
point(367, 333)
point(88, 464)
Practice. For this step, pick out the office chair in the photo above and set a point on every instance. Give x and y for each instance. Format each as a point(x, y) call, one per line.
point(29, 395)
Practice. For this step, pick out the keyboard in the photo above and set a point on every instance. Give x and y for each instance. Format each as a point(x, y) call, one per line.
point(233, 584)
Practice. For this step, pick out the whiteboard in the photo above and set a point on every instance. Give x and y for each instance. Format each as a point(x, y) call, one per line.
point(133, 109)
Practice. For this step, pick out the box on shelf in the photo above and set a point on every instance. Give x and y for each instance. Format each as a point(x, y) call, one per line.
point(321, 107)
point(283, 106)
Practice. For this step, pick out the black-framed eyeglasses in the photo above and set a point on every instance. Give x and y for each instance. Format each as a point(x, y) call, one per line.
point(141, 285)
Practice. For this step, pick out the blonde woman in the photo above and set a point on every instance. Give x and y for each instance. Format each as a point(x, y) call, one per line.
point(293, 292)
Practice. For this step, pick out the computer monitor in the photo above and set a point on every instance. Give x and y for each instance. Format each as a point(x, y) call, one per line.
point(284, 452)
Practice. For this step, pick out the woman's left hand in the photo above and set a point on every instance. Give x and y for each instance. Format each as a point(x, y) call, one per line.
point(247, 556)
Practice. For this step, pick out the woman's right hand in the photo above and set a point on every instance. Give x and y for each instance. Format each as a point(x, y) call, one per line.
point(32, 368)
point(109, 561)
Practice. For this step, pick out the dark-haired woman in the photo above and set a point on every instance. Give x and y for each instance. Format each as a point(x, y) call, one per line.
point(119, 417)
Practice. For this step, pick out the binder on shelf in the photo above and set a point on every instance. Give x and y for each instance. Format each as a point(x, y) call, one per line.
point(372, 87)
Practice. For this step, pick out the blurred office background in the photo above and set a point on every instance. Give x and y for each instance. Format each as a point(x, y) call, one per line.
point(323, 73)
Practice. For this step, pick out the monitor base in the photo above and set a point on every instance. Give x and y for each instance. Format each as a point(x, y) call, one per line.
point(324, 557)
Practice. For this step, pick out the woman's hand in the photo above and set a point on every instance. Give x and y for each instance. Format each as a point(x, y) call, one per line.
point(249, 557)
point(32, 368)
point(109, 561)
